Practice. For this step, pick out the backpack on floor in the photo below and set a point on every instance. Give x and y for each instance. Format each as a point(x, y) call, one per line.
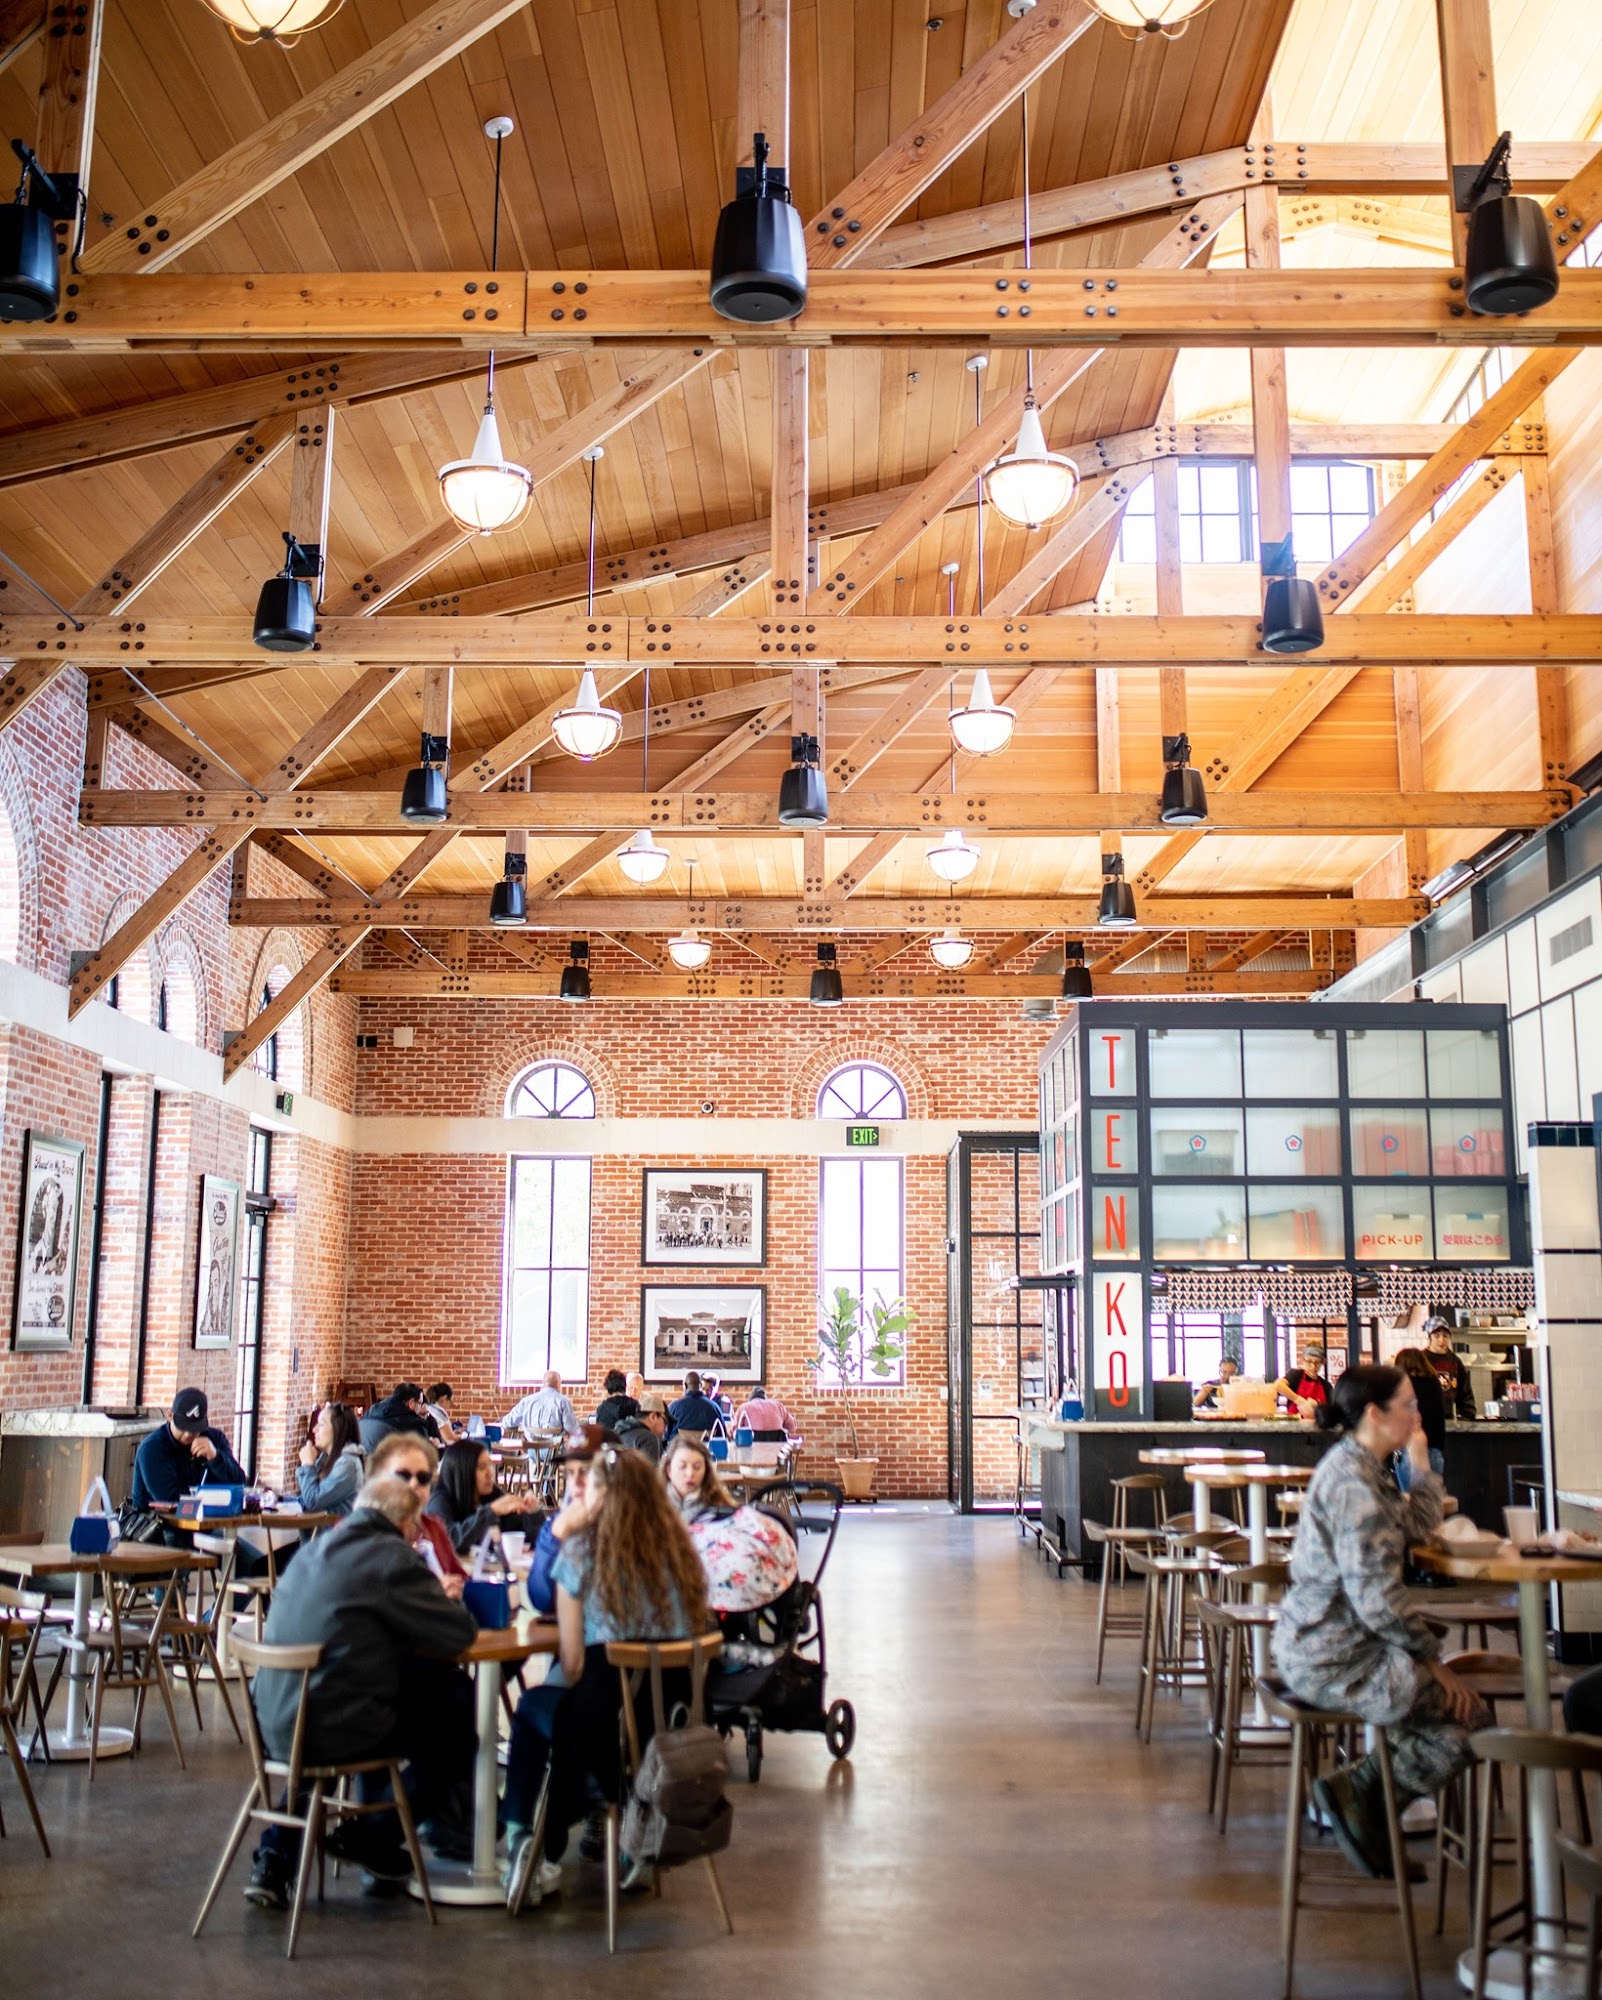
point(677, 1809)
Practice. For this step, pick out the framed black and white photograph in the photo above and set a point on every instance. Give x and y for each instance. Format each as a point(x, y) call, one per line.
point(47, 1241)
point(217, 1262)
point(717, 1329)
point(705, 1216)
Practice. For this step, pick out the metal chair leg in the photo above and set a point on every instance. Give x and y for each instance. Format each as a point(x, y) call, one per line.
point(1404, 1890)
point(1291, 1881)
point(717, 1895)
point(611, 1878)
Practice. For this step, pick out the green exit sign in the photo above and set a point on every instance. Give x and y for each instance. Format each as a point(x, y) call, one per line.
point(862, 1135)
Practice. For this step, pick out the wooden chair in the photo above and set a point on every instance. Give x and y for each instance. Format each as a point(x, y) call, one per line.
point(324, 1786)
point(1582, 1870)
point(639, 1662)
point(127, 1656)
point(19, 1648)
point(1169, 1622)
point(1127, 1494)
point(1309, 1726)
point(1525, 1750)
point(1229, 1623)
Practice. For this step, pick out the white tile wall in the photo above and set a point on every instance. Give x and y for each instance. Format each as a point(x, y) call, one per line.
point(1444, 987)
point(1523, 974)
point(1529, 1079)
point(1563, 914)
point(1485, 974)
point(1557, 1040)
point(1588, 1043)
point(1569, 1286)
point(1568, 1293)
point(1562, 1200)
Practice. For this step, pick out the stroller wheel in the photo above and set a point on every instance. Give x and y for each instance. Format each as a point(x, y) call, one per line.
point(753, 1750)
point(840, 1729)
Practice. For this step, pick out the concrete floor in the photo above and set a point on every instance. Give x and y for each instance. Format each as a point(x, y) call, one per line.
point(997, 1832)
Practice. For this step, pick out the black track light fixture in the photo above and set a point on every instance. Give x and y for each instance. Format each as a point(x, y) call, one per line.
point(1184, 801)
point(30, 268)
point(803, 796)
point(1075, 973)
point(423, 796)
point(286, 610)
point(759, 255)
point(826, 988)
point(1509, 262)
point(1116, 910)
point(509, 897)
point(576, 973)
point(1293, 618)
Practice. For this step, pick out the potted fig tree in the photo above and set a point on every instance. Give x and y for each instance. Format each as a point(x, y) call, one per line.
point(858, 1338)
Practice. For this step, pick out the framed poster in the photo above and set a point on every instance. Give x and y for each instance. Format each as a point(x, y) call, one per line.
point(717, 1329)
point(217, 1262)
point(47, 1241)
point(704, 1216)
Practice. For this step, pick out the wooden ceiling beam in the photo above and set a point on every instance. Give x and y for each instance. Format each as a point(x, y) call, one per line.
point(862, 984)
point(1072, 311)
point(843, 230)
point(187, 214)
point(328, 955)
point(1385, 588)
point(1098, 503)
point(65, 134)
point(1252, 947)
point(99, 967)
point(829, 645)
point(888, 727)
point(22, 22)
point(1468, 92)
point(568, 874)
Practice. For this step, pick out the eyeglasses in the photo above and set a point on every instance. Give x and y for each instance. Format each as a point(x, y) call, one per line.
point(416, 1478)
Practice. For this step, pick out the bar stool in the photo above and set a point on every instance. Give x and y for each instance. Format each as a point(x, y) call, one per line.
point(1230, 1627)
point(1582, 1867)
point(1113, 1622)
point(1168, 1623)
point(1526, 1750)
point(1125, 1494)
point(1307, 1725)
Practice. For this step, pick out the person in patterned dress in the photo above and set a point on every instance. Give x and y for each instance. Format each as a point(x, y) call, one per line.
point(1348, 1636)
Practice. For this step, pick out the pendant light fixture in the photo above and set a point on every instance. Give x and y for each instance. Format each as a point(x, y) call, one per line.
point(1293, 618)
point(30, 269)
point(280, 21)
point(1117, 908)
point(688, 951)
point(509, 897)
point(827, 990)
point(1075, 973)
point(643, 860)
point(576, 973)
point(1030, 485)
point(951, 950)
point(759, 255)
point(954, 857)
point(286, 610)
point(1168, 18)
point(1184, 801)
point(424, 801)
point(587, 730)
point(488, 492)
point(984, 727)
point(1510, 262)
point(803, 796)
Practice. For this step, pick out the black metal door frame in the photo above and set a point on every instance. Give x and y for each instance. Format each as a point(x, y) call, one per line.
point(959, 1300)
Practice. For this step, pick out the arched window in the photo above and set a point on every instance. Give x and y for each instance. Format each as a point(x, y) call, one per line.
point(862, 1090)
point(281, 1056)
point(265, 1060)
point(551, 1090)
point(10, 892)
point(862, 1202)
point(130, 989)
point(178, 995)
point(545, 1295)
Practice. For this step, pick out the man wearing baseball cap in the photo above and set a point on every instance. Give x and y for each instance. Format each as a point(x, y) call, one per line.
point(186, 1452)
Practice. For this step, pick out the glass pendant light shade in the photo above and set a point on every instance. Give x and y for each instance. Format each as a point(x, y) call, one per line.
point(951, 950)
point(1031, 485)
point(1150, 17)
point(985, 725)
point(826, 990)
point(273, 20)
point(954, 858)
point(1075, 973)
point(643, 860)
point(688, 951)
point(486, 492)
point(586, 730)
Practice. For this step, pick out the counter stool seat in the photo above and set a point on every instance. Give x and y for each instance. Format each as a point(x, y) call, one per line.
point(1112, 1621)
point(1305, 1889)
point(1169, 1622)
point(1230, 1628)
point(1526, 1750)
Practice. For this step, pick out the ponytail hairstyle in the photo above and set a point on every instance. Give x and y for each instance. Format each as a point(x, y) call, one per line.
point(1354, 1391)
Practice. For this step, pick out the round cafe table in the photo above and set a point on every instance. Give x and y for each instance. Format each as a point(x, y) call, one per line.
point(1258, 1481)
point(477, 1884)
point(1191, 1456)
point(1465, 1563)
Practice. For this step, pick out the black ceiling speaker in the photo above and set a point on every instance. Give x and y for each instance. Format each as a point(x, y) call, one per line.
point(1293, 618)
point(1075, 974)
point(827, 990)
point(286, 610)
point(30, 268)
point(1510, 263)
point(759, 256)
point(1184, 800)
point(1116, 909)
point(509, 897)
point(423, 796)
point(803, 796)
point(576, 975)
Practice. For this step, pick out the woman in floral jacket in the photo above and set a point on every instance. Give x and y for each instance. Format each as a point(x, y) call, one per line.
point(1348, 1636)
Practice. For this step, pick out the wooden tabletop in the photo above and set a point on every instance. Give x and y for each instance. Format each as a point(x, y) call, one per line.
point(1280, 1475)
point(526, 1635)
point(1208, 1473)
point(210, 1523)
point(1478, 1563)
point(126, 1559)
point(1200, 1454)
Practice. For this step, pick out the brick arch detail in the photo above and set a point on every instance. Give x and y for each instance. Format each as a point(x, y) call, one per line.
point(25, 844)
point(841, 1053)
point(283, 947)
point(143, 964)
point(519, 1055)
point(178, 953)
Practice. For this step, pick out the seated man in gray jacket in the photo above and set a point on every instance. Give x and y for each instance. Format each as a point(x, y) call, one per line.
point(387, 1685)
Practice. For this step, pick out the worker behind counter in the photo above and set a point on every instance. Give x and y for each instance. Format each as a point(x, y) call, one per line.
point(1451, 1370)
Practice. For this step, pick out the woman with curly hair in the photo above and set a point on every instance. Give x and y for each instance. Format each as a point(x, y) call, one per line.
point(692, 1478)
point(630, 1572)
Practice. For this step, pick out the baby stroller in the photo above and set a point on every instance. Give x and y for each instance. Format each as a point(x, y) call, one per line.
point(772, 1674)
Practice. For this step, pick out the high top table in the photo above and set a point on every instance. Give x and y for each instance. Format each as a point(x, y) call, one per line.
point(1533, 1574)
point(1194, 1456)
point(127, 1559)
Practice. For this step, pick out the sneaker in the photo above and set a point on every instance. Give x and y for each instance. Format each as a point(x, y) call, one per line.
point(1333, 1796)
point(528, 1881)
point(632, 1873)
point(267, 1888)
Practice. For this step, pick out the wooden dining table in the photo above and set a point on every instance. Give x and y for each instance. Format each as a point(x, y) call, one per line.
point(1485, 1562)
point(134, 1560)
point(229, 1527)
point(476, 1884)
point(1189, 1457)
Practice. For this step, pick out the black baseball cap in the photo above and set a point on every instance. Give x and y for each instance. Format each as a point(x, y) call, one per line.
point(189, 1409)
